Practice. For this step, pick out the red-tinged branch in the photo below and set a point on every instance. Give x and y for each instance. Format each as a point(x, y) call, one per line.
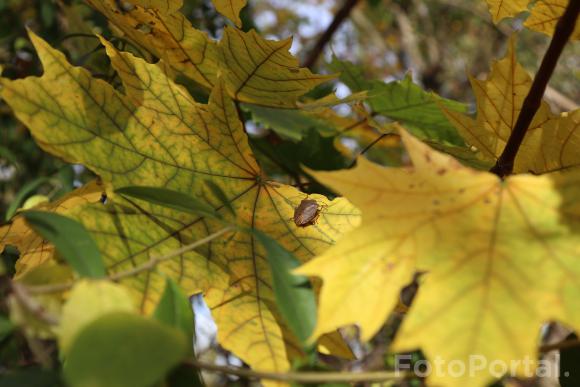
point(340, 17)
point(562, 33)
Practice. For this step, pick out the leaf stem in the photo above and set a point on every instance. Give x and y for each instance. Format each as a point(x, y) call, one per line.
point(301, 377)
point(564, 28)
point(340, 17)
point(149, 265)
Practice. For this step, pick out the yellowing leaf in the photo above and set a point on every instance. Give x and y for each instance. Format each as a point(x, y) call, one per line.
point(87, 301)
point(34, 249)
point(157, 135)
point(500, 9)
point(482, 242)
point(545, 14)
point(230, 9)
point(263, 71)
point(160, 28)
point(499, 102)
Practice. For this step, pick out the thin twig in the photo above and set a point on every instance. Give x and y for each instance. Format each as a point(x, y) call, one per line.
point(570, 343)
point(23, 297)
point(366, 149)
point(149, 265)
point(340, 17)
point(301, 377)
point(564, 29)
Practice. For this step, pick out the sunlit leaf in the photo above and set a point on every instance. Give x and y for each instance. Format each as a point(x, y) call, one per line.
point(231, 9)
point(156, 135)
point(159, 27)
point(545, 14)
point(481, 242)
point(87, 301)
point(33, 248)
point(262, 71)
point(551, 141)
point(500, 9)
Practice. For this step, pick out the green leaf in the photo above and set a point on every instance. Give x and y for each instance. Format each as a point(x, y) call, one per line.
point(122, 349)
point(6, 327)
point(416, 108)
point(31, 377)
point(288, 123)
point(175, 310)
point(406, 102)
point(221, 195)
point(294, 295)
point(24, 192)
point(168, 198)
point(71, 240)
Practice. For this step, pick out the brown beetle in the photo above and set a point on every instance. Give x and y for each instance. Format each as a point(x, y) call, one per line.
point(306, 213)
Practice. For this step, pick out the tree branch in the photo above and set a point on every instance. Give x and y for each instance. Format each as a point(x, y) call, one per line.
point(340, 16)
point(564, 29)
point(301, 377)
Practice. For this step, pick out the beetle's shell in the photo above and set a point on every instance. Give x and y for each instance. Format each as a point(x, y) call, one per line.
point(306, 213)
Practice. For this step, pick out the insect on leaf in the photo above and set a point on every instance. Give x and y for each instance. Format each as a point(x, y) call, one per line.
point(156, 135)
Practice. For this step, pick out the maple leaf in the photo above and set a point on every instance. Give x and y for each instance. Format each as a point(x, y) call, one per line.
point(256, 70)
point(231, 9)
point(34, 250)
point(501, 9)
point(160, 28)
point(481, 241)
point(157, 135)
point(544, 14)
point(550, 141)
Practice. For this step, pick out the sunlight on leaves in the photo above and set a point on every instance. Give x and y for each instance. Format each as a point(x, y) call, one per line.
point(481, 241)
point(156, 135)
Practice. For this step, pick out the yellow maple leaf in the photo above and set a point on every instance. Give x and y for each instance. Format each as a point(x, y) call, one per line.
point(231, 9)
point(263, 72)
point(157, 135)
point(256, 70)
point(500, 9)
point(549, 144)
point(34, 250)
point(159, 27)
point(481, 241)
point(545, 14)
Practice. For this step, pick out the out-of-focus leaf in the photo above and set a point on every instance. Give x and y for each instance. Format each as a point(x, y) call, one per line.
point(71, 240)
point(88, 301)
point(122, 349)
point(6, 327)
point(294, 295)
point(24, 192)
point(231, 9)
point(221, 196)
point(34, 250)
point(168, 198)
point(31, 377)
point(175, 310)
point(290, 123)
